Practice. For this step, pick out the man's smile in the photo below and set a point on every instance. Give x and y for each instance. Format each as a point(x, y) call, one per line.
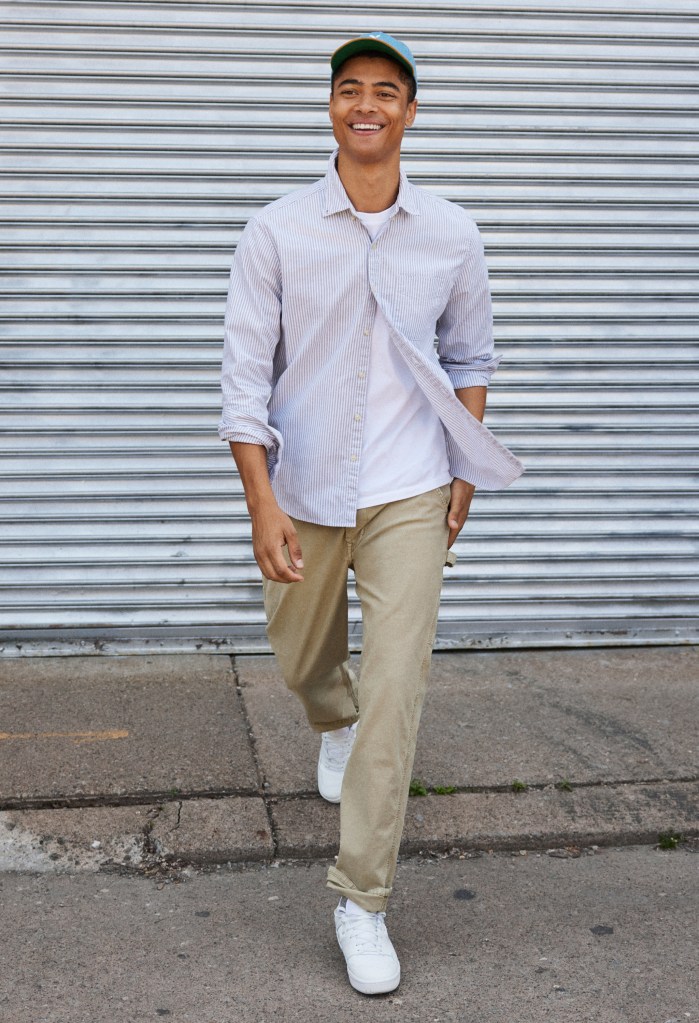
point(366, 127)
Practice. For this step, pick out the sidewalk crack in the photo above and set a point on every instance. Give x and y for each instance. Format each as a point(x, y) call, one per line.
point(262, 783)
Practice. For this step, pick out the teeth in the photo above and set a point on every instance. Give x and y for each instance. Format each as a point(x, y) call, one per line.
point(374, 127)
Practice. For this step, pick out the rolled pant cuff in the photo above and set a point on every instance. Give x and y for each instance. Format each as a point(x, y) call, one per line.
point(374, 901)
point(332, 726)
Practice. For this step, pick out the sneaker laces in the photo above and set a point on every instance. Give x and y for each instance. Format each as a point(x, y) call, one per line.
point(368, 932)
point(337, 750)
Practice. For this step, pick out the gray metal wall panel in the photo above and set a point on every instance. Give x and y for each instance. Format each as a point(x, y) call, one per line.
point(137, 140)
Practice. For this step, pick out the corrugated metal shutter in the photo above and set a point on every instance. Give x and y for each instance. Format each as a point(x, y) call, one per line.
point(138, 138)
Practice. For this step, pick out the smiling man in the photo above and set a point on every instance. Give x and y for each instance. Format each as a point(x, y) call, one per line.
point(359, 446)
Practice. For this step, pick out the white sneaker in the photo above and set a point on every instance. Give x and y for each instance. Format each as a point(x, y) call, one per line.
point(372, 963)
point(335, 749)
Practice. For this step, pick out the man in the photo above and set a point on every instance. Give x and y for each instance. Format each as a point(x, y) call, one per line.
point(359, 446)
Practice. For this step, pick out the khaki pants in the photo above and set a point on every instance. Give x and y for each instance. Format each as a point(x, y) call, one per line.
point(397, 552)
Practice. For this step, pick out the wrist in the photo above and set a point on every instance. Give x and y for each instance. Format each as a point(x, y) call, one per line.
point(260, 499)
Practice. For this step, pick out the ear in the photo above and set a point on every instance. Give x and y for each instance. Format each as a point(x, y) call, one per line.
point(410, 113)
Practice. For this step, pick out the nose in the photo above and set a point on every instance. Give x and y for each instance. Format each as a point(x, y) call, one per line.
point(366, 103)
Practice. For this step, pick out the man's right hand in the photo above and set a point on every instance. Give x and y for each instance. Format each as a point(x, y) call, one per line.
point(272, 530)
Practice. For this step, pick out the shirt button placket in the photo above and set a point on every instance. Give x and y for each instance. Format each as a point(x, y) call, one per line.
point(361, 375)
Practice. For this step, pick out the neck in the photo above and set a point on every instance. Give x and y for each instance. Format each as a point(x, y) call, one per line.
point(370, 187)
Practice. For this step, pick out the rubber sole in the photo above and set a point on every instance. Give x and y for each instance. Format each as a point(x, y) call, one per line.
point(327, 798)
point(376, 987)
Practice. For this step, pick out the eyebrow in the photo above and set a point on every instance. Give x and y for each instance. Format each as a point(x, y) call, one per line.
point(358, 81)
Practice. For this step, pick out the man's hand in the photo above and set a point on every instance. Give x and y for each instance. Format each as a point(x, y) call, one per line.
point(272, 530)
point(461, 495)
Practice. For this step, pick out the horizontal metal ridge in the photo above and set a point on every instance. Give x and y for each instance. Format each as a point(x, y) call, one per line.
point(537, 207)
point(528, 438)
point(233, 528)
point(563, 99)
point(615, 481)
point(29, 12)
point(495, 114)
point(505, 283)
point(156, 604)
point(628, 132)
point(649, 169)
point(557, 565)
point(573, 442)
point(32, 513)
point(574, 380)
point(545, 320)
point(190, 168)
point(63, 39)
point(541, 463)
point(80, 550)
point(313, 79)
point(208, 347)
point(517, 60)
point(655, 403)
point(473, 42)
point(496, 587)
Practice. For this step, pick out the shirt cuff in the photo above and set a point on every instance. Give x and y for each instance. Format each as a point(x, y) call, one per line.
point(469, 378)
point(242, 437)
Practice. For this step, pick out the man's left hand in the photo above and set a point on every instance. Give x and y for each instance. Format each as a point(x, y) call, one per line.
point(461, 495)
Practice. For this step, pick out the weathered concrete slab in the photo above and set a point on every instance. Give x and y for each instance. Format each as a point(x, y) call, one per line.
point(541, 716)
point(306, 828)
point(603, 938)
point(88, 838)
point(287, 749)
point(232, 830)
point(237, 829)
point(600, 814)
point(197, 831)
point(538, 716)
point(103, 727)
point(538, 818)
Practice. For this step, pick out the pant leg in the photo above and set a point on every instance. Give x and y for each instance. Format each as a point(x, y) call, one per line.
point(398, 562)
point(307, 627)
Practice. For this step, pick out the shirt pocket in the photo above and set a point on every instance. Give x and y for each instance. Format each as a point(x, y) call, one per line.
point(423, 296)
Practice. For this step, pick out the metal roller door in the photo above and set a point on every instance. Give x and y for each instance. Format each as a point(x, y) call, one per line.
point(139, 137)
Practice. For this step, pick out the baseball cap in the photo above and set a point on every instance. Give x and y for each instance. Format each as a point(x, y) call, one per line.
point(380, 41)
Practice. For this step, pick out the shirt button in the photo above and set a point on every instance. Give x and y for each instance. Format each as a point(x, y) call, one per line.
point(357, 417)
point(353, 458)
point(361, 375)
point(366, 333)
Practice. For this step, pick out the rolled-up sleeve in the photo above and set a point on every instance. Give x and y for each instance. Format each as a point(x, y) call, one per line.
point(252, 332)
point(465, 328)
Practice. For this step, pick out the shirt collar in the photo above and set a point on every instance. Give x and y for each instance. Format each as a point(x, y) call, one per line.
point(336, 198)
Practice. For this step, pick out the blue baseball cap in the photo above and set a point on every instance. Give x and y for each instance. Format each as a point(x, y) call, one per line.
point(380, 41)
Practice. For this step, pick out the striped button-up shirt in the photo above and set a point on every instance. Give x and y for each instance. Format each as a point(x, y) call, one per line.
point(305, 283)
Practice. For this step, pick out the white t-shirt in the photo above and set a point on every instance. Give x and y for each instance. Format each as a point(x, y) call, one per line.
point(403, 445)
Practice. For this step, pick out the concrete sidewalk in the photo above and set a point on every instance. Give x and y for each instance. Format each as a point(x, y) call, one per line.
point(608, 937)
point(154, 762)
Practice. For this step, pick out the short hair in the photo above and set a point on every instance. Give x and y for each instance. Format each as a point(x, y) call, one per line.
point(406, 78)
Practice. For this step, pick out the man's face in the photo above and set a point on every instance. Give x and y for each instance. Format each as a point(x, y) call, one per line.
point(369, 109)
